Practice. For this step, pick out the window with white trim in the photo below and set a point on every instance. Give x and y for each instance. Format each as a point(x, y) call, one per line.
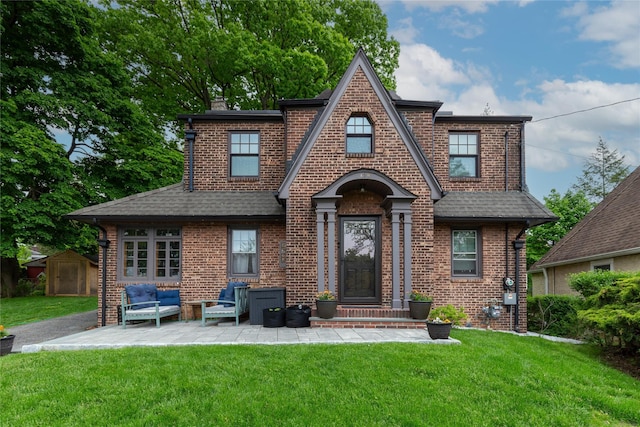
point(359, 135)
point(150, 254)
point(463, 155)
point(465, 255)
point(244, 154)
point(243, 252)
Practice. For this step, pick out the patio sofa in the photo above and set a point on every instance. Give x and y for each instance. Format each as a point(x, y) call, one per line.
point(146, 302)
point(233, 301)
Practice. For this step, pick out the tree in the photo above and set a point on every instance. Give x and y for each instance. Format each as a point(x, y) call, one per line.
point(570, 209)
point(601, 173)
point(58, 81)
point(185, 54)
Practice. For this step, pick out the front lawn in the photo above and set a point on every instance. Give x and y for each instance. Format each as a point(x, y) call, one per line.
point(21, 310)
point(490, 379)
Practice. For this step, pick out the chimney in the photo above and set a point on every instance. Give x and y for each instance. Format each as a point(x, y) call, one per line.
point(218, 104)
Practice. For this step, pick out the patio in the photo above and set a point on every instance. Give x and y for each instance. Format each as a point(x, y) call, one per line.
point(225, 333)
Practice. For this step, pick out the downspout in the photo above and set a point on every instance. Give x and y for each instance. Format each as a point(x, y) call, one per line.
point(104, 244)
point(546, 280)
point(523, 182)
point(518, 244)
point(506, 161)
point(190, 136)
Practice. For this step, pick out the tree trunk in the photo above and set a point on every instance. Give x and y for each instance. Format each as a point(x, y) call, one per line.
point(10, 272)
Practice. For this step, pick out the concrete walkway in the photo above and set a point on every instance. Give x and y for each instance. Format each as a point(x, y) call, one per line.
point(171, 333)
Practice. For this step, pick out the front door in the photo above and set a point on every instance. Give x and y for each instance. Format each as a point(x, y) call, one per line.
point(360, 260)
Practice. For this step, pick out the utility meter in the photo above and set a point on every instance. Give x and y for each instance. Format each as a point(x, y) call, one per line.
point(508, 284)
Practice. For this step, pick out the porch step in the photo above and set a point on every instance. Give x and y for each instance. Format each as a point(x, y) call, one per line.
point(368, 317)
point(367, 322)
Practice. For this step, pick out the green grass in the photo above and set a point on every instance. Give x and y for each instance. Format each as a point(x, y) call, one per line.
point(18, 311)
point(492, 379)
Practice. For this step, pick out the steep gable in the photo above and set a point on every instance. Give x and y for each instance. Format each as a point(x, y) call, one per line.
point(361, 64)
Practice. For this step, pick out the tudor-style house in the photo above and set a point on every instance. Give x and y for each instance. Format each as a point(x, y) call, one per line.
point(355, 191)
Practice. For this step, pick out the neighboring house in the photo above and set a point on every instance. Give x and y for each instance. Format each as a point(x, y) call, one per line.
point(355, 191)
point(69, 273)
point(607, 238)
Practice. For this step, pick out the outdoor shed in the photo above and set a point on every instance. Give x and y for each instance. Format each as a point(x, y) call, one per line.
point(69, 273)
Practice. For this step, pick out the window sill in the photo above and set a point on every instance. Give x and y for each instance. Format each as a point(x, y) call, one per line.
point(465, 178)
point(244, 178)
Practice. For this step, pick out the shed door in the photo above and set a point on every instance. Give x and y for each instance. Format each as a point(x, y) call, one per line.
point(68, 279)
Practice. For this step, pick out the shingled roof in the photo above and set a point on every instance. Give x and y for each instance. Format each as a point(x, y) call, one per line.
point(611, 228)
point(517, 206)
point(173, 203)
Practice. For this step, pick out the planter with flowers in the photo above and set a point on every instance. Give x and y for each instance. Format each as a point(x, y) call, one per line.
point(6, 341)
point(326, 305)
point(441, 319)
point(419, 305)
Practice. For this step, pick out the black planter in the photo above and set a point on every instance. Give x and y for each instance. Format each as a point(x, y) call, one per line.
point(419, 309)
point(298, 316)
point(326, 309)
point(273, 318)
point(439, 331)
point(6, 344)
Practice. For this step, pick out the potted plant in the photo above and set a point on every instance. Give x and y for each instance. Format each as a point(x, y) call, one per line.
point(6, 341)
point(274, 317)
point(441, 319)
point(419, 304)
point(326, 304)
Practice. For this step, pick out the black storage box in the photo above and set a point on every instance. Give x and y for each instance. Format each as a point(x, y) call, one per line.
point(274, 317)
point(261, 298)
point(298, 316)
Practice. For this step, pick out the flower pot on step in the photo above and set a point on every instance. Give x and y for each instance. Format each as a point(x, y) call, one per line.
point(326, 309)
point(419, 309)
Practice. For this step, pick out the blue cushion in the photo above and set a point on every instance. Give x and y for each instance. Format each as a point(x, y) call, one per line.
point(171, 297)
point(229, 292)
point(141, 293)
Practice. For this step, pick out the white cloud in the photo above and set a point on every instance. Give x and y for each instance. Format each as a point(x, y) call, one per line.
point(553, 144)
point(617, 24)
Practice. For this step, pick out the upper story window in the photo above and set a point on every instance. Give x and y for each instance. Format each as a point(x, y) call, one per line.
point(465, 254)
point(150, 254)
point(244, 153)
point(359, 135)
point(463, 155)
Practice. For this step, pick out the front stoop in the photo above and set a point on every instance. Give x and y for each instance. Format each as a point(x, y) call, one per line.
point(368, 317)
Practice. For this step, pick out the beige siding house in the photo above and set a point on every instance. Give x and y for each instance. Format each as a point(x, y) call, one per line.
point(607, 238)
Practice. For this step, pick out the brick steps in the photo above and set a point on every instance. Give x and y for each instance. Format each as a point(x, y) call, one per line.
point(368, 317)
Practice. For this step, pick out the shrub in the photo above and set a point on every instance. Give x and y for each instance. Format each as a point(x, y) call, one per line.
point(590, 282)
point(448, 313)
point(554, 315)
point(613, 313)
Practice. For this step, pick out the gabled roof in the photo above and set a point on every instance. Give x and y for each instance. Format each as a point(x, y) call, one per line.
point(173, 203)
point(509, 206)
point(360, 61)
point(611, 229)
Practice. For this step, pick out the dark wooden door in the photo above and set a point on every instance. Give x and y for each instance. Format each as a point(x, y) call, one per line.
point(360, 260)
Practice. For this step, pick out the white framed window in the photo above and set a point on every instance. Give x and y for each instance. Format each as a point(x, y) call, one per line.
point(359, 135)
point(463, 155)
point(243, 259)
point(465, 253)
point(602, 264)
point(150, 254)
point(244, 154)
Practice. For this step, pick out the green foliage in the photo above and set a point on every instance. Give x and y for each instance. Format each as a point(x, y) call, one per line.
point(448, 313)
point(183, 55)
point(420, 296)
point(322, 385)
point(604, 170)
point(570, 209)
point(613, 313)
point(554, 315)
point(589, 283)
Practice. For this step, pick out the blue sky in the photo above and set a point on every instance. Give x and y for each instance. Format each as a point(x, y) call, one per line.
point(537, 58)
